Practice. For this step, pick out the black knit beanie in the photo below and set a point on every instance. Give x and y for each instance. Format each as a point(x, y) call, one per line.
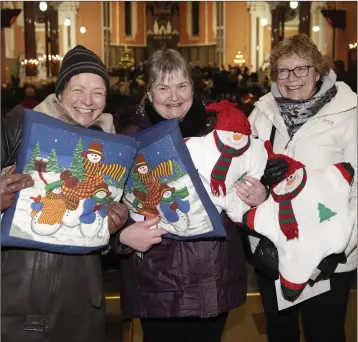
point(77, 61)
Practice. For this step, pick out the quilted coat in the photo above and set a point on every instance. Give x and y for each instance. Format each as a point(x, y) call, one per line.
point(48, 297)
point(183, 279)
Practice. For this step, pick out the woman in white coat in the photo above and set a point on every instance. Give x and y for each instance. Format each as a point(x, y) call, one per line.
point(313, 119)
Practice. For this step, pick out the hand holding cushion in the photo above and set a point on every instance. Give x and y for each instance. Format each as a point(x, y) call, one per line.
point(275, 171)
point(117, 216)
point(11, 183)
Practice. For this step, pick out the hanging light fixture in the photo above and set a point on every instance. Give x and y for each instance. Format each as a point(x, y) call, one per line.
point(67, 22)
point(293, 4)
point(43, 6)
point(264, 21)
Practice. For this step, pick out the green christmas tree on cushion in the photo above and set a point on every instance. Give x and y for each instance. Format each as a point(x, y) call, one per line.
point(52, 164)
point(178, 172)
point(137, 184)
point(77, 162)
point(324, 213)
point(35, 153)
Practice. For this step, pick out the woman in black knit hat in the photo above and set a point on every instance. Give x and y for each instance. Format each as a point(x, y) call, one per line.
point(46, 296)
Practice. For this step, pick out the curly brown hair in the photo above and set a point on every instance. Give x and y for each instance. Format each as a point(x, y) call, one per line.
point(302, 46)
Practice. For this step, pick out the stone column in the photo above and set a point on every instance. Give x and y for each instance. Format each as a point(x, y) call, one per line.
point(278, 23)
point(30, 36)
point(3, 57)
point(258, 10)
point(54, 47)
point(305, 17)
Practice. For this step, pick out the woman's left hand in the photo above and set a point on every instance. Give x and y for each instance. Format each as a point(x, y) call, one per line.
point(117, 216)
point(253, 194)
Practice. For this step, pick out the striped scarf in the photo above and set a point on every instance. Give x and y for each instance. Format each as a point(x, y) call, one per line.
point(218, 175)
point(286, 216)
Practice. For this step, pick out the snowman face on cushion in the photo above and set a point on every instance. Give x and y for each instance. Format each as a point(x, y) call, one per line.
point(290, 183)
point(94, 158)
point(57, 190)
point(233, 139)
point(167, 194)
point(101, 194)
point(143, 169)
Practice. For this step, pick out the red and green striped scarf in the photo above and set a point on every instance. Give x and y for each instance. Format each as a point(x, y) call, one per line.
point(218, 175)
point(286, 216)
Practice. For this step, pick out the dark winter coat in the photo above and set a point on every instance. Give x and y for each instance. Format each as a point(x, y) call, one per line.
point(47, 297)
point(176, 278)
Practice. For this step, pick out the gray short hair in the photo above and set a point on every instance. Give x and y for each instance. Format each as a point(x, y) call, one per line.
point(165, 62)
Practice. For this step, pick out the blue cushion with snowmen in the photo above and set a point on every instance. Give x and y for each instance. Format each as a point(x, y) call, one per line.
point(164, 182)
point(77, 172)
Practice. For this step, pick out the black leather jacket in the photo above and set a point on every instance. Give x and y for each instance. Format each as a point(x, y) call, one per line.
point(47, 297)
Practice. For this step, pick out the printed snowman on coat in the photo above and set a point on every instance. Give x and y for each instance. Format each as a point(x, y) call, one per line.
point(175, 208)
point(47, 212)
point(307, 217)
point(223, 156)
point(94, 211)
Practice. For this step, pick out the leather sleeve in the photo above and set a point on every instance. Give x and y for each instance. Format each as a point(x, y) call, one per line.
point(11, 131)
point(115, 244)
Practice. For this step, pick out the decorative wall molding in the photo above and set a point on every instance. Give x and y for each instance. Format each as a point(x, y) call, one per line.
point(118, 22)
point(258, 10)
point(134, 22)
point(69, 10)
point(189, 28)
point(214, 18)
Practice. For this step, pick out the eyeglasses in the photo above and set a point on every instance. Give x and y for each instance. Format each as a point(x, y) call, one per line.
point(300, 71)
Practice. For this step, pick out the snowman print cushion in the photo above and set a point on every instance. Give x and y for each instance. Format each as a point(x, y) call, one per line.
point(307, 217)
point(164, 182)
point(76, 171)
point(226, 155)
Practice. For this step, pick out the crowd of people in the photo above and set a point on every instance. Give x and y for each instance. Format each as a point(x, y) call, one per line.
point(181, 290)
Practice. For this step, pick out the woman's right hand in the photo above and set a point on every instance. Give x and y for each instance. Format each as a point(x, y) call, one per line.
point(11, 183)
point(140, 237)
point(275, 171)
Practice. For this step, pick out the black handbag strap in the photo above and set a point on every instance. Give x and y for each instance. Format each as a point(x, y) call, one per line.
point(272, 135)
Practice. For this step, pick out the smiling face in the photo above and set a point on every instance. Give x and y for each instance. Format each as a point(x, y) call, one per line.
point(93, 157)
point(292, 182)
point(57, 190)
point(143, 169)
point(172, 96)
point(294, 87)
point(167, 194)
point(233, 139)
point(101, 194)
point(84, 98)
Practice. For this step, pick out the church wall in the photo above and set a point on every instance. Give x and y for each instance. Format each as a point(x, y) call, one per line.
point(237, 31)
point(114, 22)
point(212, 22)
point(91, 18)
point(346, 36)
point(198, 50)
point(138, 25)
point(201, 49)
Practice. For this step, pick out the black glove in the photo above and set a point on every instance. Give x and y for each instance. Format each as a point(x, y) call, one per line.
point(328, 265)
point(275, 171)
point(265, 257)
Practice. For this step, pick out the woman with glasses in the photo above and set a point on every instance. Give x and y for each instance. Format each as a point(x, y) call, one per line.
point(311, 118)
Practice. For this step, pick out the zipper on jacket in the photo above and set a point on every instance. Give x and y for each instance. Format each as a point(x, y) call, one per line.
point(9, 160)
point(288, 143)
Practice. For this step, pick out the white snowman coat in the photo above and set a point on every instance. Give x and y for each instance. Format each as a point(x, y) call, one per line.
point(299, 257)
point(327, 138)
point(205, 154)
